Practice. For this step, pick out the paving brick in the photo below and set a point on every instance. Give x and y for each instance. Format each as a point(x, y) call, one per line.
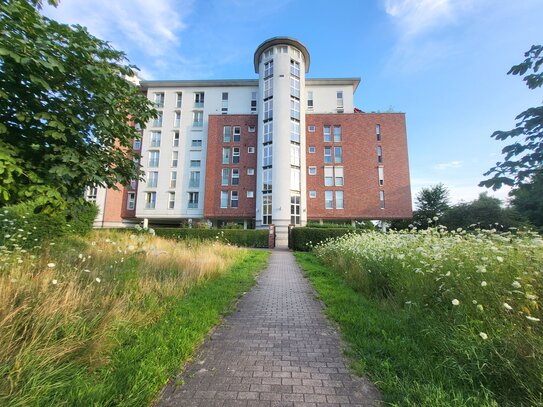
point(277, 350)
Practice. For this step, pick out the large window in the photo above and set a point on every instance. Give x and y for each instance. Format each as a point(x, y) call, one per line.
point(177, 119)
point(237, 133)
point(179, 100)
point(171, 200)
point(268, 68)
point(295, 209)
point(267, 180)
point(235, 155)
point(339, 199)
point(295, 155)
point(379, 154)
point(337, 134)
point(234, 199)
point(175, 140)
point(266, 209)
point(294, 68)
point(152, 179)
point(268, 132)
point(295, 109)
point(224, 199)
point(157, 121)
point(194, 179)
point(339, 99)
point(197, 118)
point(381, 172)
point(295, 131)
point(327, 134)
point(382, 199)
point(159, 100)
point(150, 200)
point(195, 163)
point(328, 176)
point(268, 88)
point(267, 157)
point(294, 87)
point(226, 134)
point(224, 106)
point(173, 179)
point(226, 155)
point(235, 176)
point(225, 176)
point(338, 155)
point(175, 158)
point(253, 102)
point(310, 100)
point(328, 199)
point(154, 157)
point(378, 132)
point(92, 194)
point(131, 201)
point(295, 179)
point(199, 99)
point(196, 143)
point(155, 139)
point(338, 172)
point(193, 200)
point(328, 155)
point(268, 109)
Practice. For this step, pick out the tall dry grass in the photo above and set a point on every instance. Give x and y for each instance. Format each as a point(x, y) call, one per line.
point(62, 306)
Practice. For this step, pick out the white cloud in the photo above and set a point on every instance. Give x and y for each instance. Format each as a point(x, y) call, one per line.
point(445, 166)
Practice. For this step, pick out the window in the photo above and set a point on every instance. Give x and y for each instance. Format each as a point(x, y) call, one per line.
point(295, 179)
point(179, 100)
point(338, 155)
point(312, 149)
point(282, 50)
point(338, 172)
point(250, 150)
point(379, 154)
point(312, 170)
point(150, 200)
point(226, 134)
point(235, 155)
point(173, 179)
point(327, 134)
point(268, 132)
point(250, 194)
point(171, 200)
point(154, 157)
point(155, 139)
point(177, 119)
point(237, 133)
point(175, 142)
point(328, 176)
point(195, 163)
point(268, 88)
point(152, 179)
point(157, 121)
point(381, 172)
point(337, 134)
point(224, 199)
point(295, 52)
point(253, 102)
point(294, 131)
point(382, 199)
point(268, 68)
point(175, 158)
point(295, 155)
point(133, 184)
point(131, 201)
point(91, 195)
point(378, 132)
point(194, 179)
point(224, 107)
point(339, 99)
point(251, 129)
point(310, 100)
point(268, 109)
point(295, 209)
point(328, 155)
point(267, 156)
point(312, 194)
point(235, 176)
point(250, 171)
point(266, 209)
point(295, 109)
point(328, 200)
point(199, 99)
point(197, 118)
point(226, 155)
point(268, 53)
point(294, 87)
point(196, 143)
point(159, 99)
point(136, 145)
point(294, 68)
point(225, 176)
point(267, 180)
point(193, 200)
point(339, 199)
point(311, 128)
point(234, 199)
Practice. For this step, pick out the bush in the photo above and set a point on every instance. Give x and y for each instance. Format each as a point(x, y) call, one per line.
point(245, 238)
point(304, 238)
point(80, 217)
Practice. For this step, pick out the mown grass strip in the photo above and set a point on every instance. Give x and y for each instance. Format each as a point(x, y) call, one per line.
point(392, 346)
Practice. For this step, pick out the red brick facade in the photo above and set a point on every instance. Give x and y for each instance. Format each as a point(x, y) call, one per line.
point(214, 166)
point(360, 165)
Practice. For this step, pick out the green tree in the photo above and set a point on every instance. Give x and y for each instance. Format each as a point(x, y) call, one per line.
point(527, 199)
point(523, 158)
point(66, 109)
point(431, 202)
point(485, 212)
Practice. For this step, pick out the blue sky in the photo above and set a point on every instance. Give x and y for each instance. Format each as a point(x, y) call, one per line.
point(442, 62)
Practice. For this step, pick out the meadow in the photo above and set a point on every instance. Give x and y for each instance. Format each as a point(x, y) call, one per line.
point(437, 317)
point(108, 318)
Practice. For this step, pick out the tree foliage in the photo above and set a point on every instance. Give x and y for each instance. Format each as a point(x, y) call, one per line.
point(65, 109)
point(524, 157)
point(527, 199)
point(431, 202)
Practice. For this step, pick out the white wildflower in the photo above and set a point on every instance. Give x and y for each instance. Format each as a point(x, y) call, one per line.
point(531, 296)
point(80, 255)
point(98, 279)
point(499, 258)
point(507, 306)
point(51, 265)
point(54, 282)
point(516, 284)
point(86, 271)
point(532, 318)
point(455, 302)
point(480, 307)
point(483, 335)
point(484, 283)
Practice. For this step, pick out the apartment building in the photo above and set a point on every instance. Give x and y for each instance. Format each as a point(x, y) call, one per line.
point(281, 149)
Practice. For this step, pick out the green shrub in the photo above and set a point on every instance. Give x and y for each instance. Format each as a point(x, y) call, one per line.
point(245, 238)
point(302, 239)
point(80, 217)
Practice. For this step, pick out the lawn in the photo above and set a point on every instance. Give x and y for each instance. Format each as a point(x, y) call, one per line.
point(109, 318)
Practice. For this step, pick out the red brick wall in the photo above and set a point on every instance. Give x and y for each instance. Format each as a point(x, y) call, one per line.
point(213, 188)
point(361, 183)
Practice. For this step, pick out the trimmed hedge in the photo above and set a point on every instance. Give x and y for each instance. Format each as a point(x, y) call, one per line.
point(245, 238)
point(304, 238)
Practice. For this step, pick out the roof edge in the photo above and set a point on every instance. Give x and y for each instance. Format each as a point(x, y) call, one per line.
point(281, 40)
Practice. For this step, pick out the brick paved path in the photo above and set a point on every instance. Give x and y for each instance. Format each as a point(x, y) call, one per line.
point(276, 350)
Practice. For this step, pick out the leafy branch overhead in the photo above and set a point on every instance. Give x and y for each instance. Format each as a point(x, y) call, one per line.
point(524, 157)
point(66, 109)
